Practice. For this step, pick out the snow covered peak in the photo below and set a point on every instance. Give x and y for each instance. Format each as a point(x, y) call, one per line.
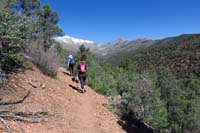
point(72, 40)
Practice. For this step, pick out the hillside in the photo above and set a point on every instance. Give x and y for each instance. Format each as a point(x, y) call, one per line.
point(159, 85)
point(74, 112)
point(180, 54)
point(185, 38)
point(149, 45)
point(121, 46)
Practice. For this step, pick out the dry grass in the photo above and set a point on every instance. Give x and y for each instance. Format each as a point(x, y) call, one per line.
point(47, 61)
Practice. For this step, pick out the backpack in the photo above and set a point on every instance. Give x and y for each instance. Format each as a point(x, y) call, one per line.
point(82, 68)
point(71, 61)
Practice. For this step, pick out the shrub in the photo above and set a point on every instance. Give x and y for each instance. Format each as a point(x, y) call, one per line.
point(47, 61)
point(98, 79)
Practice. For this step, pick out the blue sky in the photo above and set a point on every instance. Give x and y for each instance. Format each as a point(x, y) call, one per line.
point(107, 20)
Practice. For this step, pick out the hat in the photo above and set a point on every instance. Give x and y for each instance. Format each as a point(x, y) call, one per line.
point(70, 56)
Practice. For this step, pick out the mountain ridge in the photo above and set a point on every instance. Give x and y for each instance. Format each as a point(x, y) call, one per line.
point(72, 44)
point(120, 45)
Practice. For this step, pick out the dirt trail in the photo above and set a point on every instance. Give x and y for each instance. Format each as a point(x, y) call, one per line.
point(74, 112)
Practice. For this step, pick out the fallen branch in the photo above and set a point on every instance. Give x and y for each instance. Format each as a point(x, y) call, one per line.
point(18, 101)
point(9, 130)
point(32, 117)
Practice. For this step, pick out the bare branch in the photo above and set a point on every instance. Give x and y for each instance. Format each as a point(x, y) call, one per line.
point(33, 117)
point(18, 101)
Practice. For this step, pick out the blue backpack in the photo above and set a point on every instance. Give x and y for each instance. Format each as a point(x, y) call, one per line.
point(71, 61)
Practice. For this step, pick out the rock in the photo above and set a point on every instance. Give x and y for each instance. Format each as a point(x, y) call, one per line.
point(43, 86)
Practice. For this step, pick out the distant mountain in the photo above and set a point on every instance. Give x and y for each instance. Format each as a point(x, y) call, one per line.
point(117, 43)
point(73, 41)
point(72, 44)
point(185, 38)
point(121, 46)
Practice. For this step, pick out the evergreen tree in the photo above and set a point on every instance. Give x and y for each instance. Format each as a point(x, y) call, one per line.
point(23, 23)
point(47, 25)
point(28, 7)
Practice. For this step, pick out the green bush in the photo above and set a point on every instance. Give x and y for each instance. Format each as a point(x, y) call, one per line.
point(12, 62)
point(98, 80)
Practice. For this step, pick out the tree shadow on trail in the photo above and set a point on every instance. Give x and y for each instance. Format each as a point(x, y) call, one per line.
point(75, 88)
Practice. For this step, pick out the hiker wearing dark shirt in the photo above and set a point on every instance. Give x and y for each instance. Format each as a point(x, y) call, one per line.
point(82, 69)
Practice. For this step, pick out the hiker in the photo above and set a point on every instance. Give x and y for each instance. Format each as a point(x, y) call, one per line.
point(71, 62)
point(82, 69)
